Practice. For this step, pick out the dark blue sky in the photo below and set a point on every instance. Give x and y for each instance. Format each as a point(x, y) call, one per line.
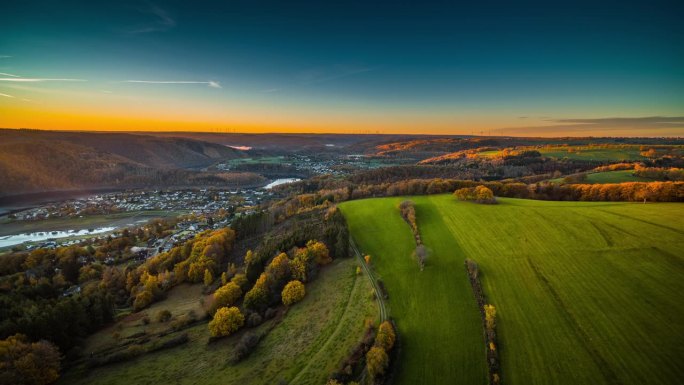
point(390, 66)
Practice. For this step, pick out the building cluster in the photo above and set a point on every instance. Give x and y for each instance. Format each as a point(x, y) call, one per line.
point(197, 201)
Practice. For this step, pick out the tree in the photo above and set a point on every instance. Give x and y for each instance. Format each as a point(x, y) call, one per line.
point(226, 295)
point(299, 265)
point(257, 296)
point(142, 300)
point(227, 320)
point(293, 292)
point(319, 251)
point(23, 362)
point(490, 316)
point(240, 280)
point(421, 255)
point(484, 195)
point(224, 278)
point(386, 336)
point(376, 361)
point(279, 268)
point(208, 277)
point(479, 194)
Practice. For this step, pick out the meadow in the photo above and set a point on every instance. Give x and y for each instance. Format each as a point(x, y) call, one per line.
point(588, 153)
point(586, 292)
point(619, 176)
point(305, 347)
point(630, 153)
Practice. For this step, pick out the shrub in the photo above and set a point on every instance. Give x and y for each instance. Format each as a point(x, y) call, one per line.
point(490, 316)
point(479, 194)
point(245, 347)
point(254, 320)
point(376, 361)
point(293, 292)
point(270, 313)
point(386, 336)
point(240, 280)
point(170, 343)
point(208, 277)
point(163, 316)
point(142, 300)
point(257, 296)
point(226, 321)
point(226, 295)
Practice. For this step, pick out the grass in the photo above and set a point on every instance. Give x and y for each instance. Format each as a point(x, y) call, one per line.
point(586, 292)
point(619, 176)
point(596, 154)
point(305, 348)
point(436, 314)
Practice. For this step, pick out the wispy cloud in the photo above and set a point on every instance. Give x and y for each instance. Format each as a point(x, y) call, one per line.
point(161, 21)
point(37, 80)
point(270, 90)
point(7, 96)
point(10, 75)
point(5, 56)
point(210, 83)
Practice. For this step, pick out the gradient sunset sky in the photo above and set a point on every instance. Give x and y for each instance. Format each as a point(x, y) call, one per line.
point(479, 67)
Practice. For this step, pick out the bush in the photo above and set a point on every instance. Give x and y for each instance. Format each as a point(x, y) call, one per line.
point(386, 336)
point(270, 313)
point(170, 343)
point(293, 292)
point(245, 347)
point(184, 320)
point(226, 321)
point(226, 295)
point(376, 361)
point(163, 316)
point(479, 194)
point(142, 300)
point(254, 320)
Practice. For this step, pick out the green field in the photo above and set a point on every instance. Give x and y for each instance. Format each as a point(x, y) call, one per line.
point(596, 154)
point(586, 293)
point(619, 176)
point(305, 348)
point(631, 153)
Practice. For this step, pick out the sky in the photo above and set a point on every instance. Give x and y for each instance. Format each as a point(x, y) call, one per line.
point(428, 67)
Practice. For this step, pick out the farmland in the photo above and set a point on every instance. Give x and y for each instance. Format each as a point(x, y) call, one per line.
point(585, 292)
point(305, 347)
point(619, 176)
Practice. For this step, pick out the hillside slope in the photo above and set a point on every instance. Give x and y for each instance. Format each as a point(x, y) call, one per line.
point(33, 161)
point(585, 292)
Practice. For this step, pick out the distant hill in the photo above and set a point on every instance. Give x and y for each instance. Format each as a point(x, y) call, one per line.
point(34, 161)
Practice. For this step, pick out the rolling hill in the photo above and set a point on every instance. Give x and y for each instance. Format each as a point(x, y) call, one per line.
point(34, 161)
point(585, 292)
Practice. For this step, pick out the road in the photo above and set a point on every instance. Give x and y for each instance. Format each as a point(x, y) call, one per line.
point(369, 273)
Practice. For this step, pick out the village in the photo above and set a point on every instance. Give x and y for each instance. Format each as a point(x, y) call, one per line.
point(187, 200)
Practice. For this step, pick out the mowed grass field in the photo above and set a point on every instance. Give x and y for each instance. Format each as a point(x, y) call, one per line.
point(595, 154)
point(305, 348)
point(630, 153)
point(619, 176)
point(586, 292)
